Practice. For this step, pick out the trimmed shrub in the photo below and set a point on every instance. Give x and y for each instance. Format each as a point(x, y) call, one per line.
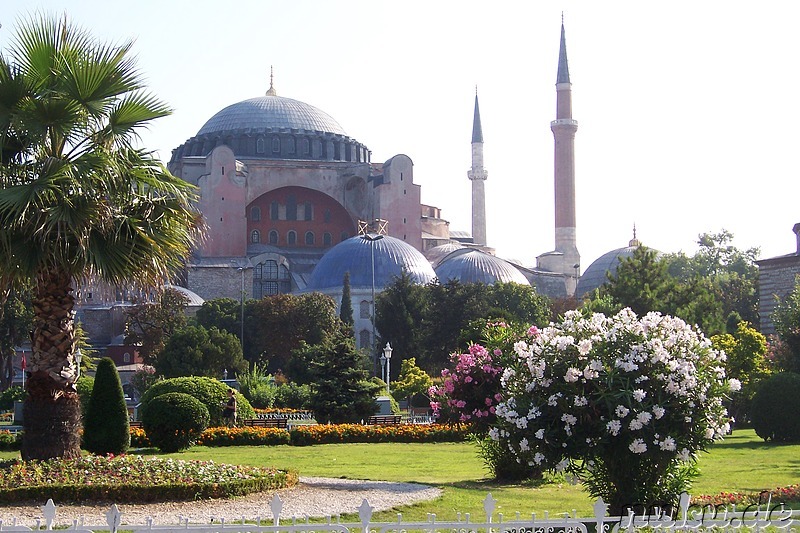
point(105, 425)
point(84, 386)
point(174, 421)
point(9, 396)
point(775, 411)
point(294, 396)
point(209, 391)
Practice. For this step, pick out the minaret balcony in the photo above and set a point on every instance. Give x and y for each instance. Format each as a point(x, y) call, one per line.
point(564, 122)
point(479, 174)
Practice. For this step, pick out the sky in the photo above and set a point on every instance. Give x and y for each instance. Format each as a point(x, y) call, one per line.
point(687, 111)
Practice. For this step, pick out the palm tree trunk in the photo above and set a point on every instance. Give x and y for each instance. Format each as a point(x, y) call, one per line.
point(52, 413)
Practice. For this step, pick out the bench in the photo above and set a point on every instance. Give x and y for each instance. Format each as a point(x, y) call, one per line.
point(384, 420)
point(265, 422)
point(135, 423)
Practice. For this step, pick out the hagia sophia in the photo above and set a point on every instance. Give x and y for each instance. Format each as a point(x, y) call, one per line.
point(292, 202)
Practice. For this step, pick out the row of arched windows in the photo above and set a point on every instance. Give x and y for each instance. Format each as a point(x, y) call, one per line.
point(291, 145)
point(291, 211)
point(291, 238)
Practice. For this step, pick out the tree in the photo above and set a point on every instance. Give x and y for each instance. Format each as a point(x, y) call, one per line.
point(222, 313)
point(150, 325)
point(106, 428)
point(346, 307)
point(78, 199)
point(399, 313)
point(308, 318)
point(196, 351)
point(412, 381)
point(342, 391)
point(16, 316)
point(786, 318)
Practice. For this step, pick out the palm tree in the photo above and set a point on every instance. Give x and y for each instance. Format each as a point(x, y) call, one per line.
point(78, 201)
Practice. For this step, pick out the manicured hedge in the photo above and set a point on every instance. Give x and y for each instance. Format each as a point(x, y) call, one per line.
point(245, 436)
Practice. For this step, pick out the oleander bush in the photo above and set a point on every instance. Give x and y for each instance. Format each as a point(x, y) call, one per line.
point(174, 421)
point(133, 479)
point(775, 412)
point(209, 391)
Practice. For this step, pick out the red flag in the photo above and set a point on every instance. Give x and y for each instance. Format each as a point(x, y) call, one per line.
point(23, 363)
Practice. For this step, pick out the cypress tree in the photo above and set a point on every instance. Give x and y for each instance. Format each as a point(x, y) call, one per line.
point(346, 309)
point(106, 428)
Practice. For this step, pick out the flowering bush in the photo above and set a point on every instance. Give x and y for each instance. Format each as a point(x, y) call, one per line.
point(346, 433)
point(622, 403)
point(129, 478)
point(243, 436)
point(742, 499)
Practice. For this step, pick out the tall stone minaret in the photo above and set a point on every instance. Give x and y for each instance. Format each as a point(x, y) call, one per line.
point(477, 174)
point(565, 259)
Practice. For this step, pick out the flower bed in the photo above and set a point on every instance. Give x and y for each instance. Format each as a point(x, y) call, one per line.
point(133, 479)
point(244, 436)
point(778, 495)
point(345, 433)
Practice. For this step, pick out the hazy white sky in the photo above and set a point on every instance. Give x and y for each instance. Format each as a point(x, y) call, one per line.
point(687, 110)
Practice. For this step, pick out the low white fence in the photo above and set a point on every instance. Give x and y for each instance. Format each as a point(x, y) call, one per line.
point(753, 518)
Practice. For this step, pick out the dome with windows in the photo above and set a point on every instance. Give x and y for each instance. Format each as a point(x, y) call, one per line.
point(355, 255)
point(474, 266)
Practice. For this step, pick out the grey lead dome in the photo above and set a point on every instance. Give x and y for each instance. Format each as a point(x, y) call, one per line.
point(273, 112)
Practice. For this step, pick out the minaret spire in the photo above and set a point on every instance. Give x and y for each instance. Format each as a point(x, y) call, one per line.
point(565, 259)
point(477, 174)
point(271, 91)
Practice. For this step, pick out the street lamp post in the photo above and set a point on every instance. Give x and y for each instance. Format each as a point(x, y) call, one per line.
point(387, 354)
point(371, 238)
point(78, 357)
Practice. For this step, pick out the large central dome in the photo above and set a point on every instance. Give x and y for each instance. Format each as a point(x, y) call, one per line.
point(271, 112)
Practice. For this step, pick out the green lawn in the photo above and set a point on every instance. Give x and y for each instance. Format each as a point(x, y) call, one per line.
point(741, 463)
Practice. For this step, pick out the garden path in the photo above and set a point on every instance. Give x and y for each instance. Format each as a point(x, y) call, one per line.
point(313, 497)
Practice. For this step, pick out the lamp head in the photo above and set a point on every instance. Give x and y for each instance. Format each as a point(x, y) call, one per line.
point(387, 351)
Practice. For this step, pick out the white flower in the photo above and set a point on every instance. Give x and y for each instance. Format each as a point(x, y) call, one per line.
point(685, 455)
point(493, 434)
point(638, 446)
point(635, 424)
point(553, 400)
point(569, 419)
point(621, 411)
point(523, 445)
point(580, 401)
point(539, 433)
point(709, 434)
point(639, 395)
point(584, 346)
point(614, 426)
point(658, 411)
point(668, 444)
point(572, 375)
point(538, 458)
point(644, 417)
point(735, 385)
point(522, 422)
point(562, 465)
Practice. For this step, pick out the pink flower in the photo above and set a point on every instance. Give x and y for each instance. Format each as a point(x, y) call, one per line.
point(468, 379)
point(478, 350)
point(488, 401)
point(533, 331)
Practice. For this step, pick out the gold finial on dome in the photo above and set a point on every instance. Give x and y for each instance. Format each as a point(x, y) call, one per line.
point(634, 241)
point(271, 91)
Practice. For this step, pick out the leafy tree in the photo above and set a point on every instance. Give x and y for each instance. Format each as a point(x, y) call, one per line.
point(399, 313)
point(105, 427)
point(732, 273)
point(346, 307)
point(786, 318)
point(308, 317)
point(197, 351)
point(150, 325)
point(16, 318)
point(746, 351)
point(342, 391)
point(77, 198)
point(517, 303)
point(412, 381)
point(222, 313)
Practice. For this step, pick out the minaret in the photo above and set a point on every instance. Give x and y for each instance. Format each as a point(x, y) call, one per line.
point(477, 174)
point(564, 128)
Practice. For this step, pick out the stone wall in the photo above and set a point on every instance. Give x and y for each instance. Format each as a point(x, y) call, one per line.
point(776, 277)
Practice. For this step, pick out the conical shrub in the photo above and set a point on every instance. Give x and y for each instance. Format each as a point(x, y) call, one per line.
point(105, 428)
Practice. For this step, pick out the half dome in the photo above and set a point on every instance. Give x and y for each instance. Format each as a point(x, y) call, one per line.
point(392, 256)
point(438, 253)
point(473, 266)
point(271, 112)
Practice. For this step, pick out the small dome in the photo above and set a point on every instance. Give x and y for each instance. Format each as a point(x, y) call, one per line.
point(437, 253)
point(193, 300)
point(473, 266)
point(273, 112)
point(595, 276)
point(392, 256)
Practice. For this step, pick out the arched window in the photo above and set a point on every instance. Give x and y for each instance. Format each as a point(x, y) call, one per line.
point(255, 213)
point(273, 210)
point(327, 240)
point(327, 216)
point(363, 309)
point(276, 144)
point(310, 238)
point(306, 144)
point(260, 145)
point(308, 211)
point(364, 339)
point(290, 145)
point(255, 236)
point(291, 207)
point(291, 238)
point(273, 237)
